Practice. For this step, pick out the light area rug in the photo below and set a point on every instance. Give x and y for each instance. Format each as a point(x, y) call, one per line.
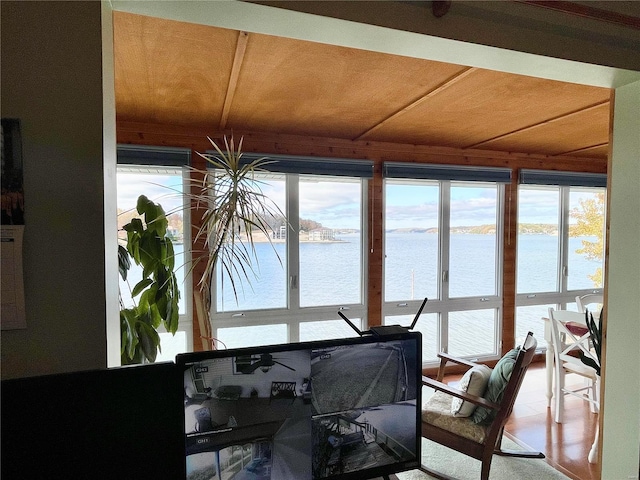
point(462, 467)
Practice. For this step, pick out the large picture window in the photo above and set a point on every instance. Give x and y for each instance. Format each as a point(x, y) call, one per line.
point(443, 238)
point(317, 268)
point(561, 231)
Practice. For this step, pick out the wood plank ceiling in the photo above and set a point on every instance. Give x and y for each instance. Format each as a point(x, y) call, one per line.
point(196, 76)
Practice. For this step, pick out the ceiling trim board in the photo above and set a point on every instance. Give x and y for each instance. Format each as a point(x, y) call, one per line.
point(238, 58)
point(582, 150)
point(439, 88)
point(542, 123)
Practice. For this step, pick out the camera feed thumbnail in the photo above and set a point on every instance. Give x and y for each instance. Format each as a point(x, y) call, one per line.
point(245, 416)
point(365, 407)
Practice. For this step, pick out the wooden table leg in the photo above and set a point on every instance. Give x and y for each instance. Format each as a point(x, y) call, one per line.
point(549, 372)
point(593, 453)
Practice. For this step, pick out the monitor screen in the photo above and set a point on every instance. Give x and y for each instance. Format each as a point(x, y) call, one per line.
point(346, 408)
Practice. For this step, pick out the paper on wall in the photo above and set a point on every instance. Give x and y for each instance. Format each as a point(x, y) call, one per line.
point(12, 314)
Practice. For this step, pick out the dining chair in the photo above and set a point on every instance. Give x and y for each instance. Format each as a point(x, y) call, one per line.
point(593, 300)
point(570, 337)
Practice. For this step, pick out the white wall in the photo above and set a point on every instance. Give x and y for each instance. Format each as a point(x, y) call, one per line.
point(51, 81)
point(621, 372)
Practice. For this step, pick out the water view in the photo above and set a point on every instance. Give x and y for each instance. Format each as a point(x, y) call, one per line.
point(330, 272)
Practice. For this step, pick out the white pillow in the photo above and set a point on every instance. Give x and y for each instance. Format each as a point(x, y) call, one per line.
point(474, 382)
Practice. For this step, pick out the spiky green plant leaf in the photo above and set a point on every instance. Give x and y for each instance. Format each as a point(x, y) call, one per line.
point(595, 337)
point(235, 209)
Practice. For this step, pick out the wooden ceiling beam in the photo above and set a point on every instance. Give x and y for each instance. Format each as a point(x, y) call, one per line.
point(141, 133)
point(238, 59)
point(441, 87)
point(539, 124)
point(586, 11)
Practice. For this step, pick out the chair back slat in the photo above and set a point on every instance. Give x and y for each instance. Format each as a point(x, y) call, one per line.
point(566, 342)
point(523, 360)
point(583, 301)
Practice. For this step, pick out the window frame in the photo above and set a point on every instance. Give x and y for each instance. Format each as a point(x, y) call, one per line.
point(444, 305)
point(562, 297)
point(292, 315)
point(150, 161)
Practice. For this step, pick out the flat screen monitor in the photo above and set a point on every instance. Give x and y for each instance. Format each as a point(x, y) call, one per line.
point(334, 409)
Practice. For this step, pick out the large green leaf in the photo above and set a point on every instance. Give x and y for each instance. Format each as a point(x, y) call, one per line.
point(170, 256)
point(154, 216)
point(124, 262)
point(149, 340)
point(140, 286)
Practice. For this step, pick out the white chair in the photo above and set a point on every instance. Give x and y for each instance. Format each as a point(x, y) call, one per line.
point(570, 336)
point(591, 301)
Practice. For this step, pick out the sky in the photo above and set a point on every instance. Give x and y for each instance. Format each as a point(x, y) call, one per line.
point(159, 188)
point(337, 203)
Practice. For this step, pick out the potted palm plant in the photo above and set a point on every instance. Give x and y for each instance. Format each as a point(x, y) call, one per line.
point(234, 212)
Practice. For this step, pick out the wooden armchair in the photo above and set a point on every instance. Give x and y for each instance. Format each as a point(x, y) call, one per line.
point(477, 440)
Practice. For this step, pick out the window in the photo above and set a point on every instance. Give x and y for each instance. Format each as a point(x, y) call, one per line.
point(295, 295)
point(141, 172)
point(561, 222)
point(443, 238)
point(267, 288)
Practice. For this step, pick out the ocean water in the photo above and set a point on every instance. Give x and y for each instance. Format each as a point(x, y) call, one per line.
point(330, 274)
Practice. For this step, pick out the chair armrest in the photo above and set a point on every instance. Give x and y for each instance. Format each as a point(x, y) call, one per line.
point(446, 358)
point(443, 387)
point(460, 361)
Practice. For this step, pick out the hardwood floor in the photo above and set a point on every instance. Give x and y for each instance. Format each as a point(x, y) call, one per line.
point(565, 445)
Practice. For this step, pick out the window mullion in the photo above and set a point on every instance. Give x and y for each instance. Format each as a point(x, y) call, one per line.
point(444, 238)
point(364, 242)
point(293, 247)
point(563, 232)
point(499, 266)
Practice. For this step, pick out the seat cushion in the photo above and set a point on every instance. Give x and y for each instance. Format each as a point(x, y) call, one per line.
point(437, 411)
point(495, 388)
point(474, 381)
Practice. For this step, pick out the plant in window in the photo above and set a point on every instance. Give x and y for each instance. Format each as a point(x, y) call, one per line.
point(149, 245)
point(236, 214)
point(595, 335)
point(590, 216)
